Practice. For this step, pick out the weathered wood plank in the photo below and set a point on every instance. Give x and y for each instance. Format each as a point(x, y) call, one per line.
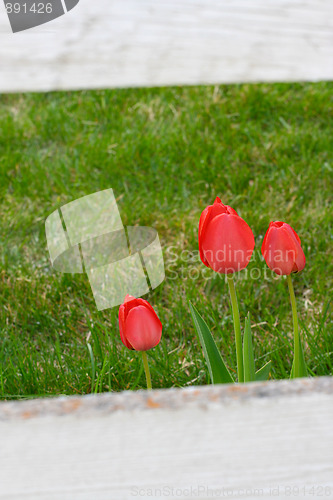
point(247, 441)
point(126, 43)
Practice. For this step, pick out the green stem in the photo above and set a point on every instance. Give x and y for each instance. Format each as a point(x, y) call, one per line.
point(238, 336)
point(296, 333)
point(146, 367)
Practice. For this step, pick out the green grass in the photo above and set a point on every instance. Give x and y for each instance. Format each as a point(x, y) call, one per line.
point(266, 150)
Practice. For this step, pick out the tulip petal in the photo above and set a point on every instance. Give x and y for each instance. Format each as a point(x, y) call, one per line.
point(300, 261)
point(145, 303)
point(263, 246)
point(143, 328)
point(281, 250)
point(295, 234)
point(128, 298)
point(228, 243)
point(231, 210)
point(131, 302)
point(121, 317)
point(207, 215)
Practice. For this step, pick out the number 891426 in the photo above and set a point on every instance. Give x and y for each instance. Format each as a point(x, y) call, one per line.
point(35, 8)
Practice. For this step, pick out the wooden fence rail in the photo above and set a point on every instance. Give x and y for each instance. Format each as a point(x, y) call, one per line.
point(242, 441)
point(126, 43)
point(261, 440)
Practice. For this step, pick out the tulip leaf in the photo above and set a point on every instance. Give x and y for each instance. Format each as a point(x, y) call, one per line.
point(263, 374)
point(93, 366)
point(218, 371)
point(248, 357)
point(302, 366)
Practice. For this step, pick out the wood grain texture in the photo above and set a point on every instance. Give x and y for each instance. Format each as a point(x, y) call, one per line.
point(242, 441)
point(126, 43)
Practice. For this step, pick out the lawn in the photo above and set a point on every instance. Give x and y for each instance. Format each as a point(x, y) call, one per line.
point(266, 150)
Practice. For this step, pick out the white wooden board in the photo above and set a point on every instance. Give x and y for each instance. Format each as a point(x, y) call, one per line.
point(244, 441)
point(254, 441)
point(126, 43)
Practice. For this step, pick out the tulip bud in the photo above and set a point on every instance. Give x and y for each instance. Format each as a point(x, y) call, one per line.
point(139, 325)
point(226, 242)
point(282, 249)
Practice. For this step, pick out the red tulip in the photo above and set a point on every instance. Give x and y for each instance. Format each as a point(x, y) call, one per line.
point(282, 249)
point(226, 242)
point(139, 325)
